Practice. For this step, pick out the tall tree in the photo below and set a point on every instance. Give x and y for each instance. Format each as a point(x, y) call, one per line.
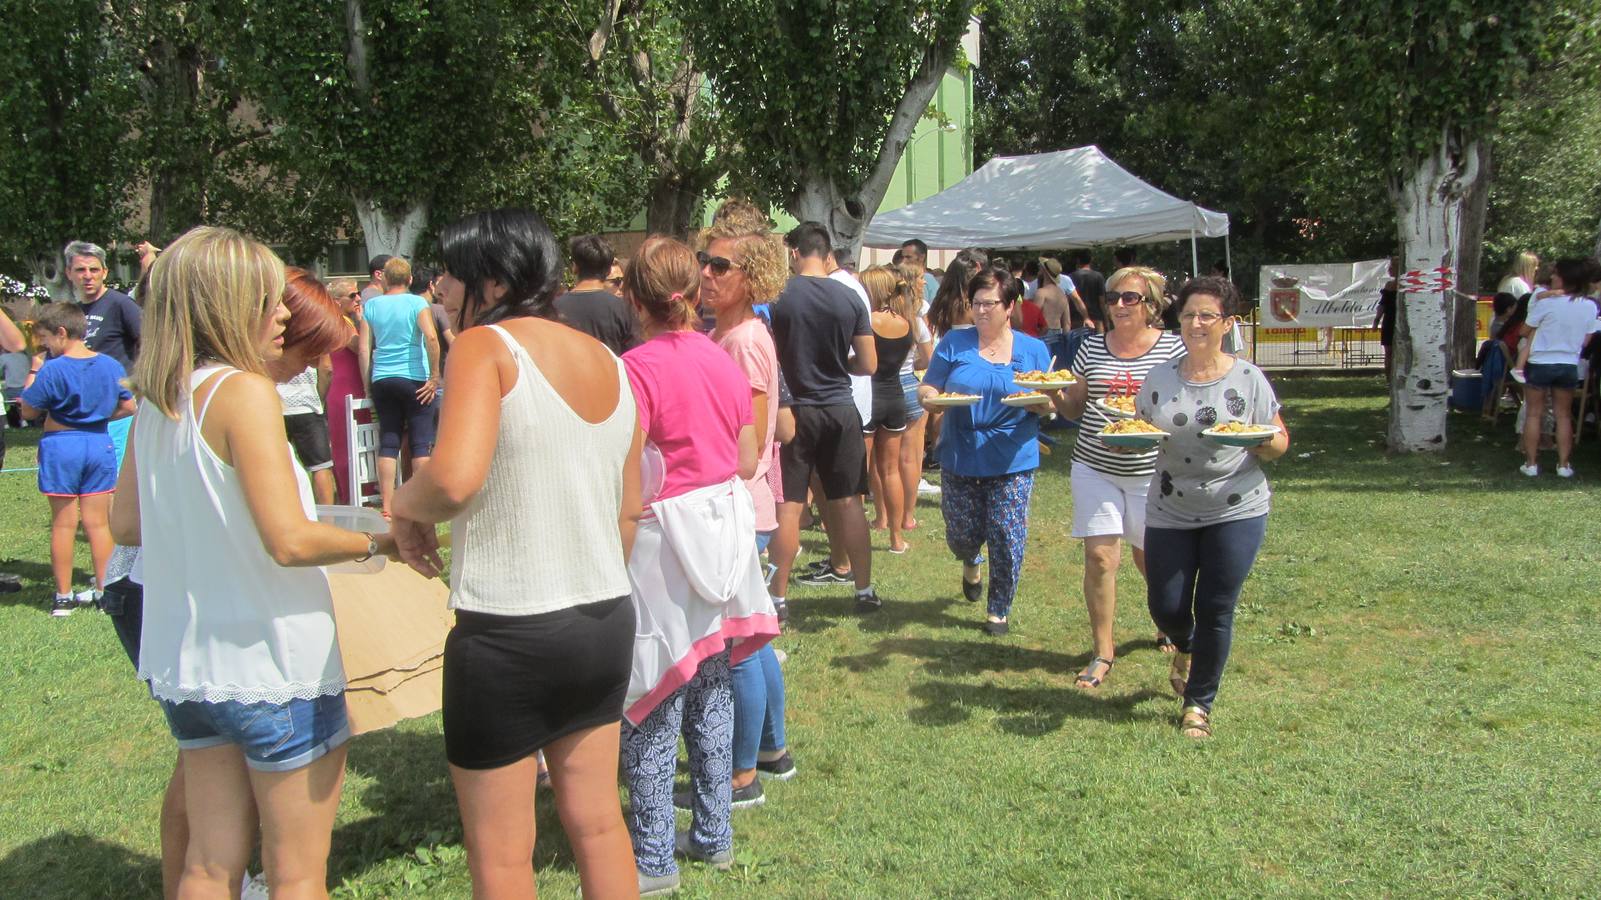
point(823, 96)
point(645, 77)
point(67, 105)
point(1426, 78)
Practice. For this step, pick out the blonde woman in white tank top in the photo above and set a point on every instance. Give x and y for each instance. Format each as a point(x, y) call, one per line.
point(238, 640)
point(537, 468)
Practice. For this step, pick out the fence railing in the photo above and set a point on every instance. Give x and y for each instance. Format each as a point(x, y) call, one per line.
point(1343, 347)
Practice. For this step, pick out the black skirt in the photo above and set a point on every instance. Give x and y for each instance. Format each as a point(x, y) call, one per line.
point(514, 684)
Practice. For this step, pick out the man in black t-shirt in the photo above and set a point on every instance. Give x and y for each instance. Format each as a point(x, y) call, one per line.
point(817, 323)
point(113, 319)
point(589, 306)
point(1091, 286)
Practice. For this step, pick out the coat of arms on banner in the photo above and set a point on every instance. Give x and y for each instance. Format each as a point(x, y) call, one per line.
point(1285, 298)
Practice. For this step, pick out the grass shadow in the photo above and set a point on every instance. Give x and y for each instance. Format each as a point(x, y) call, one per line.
point(70, 866)
point(38, 583)
point(809, 615)
point(1032, 711)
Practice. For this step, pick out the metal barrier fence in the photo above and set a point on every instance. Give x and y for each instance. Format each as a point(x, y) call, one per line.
point(1343, 347)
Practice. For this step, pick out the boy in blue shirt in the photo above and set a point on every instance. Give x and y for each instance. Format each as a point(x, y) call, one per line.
point(77, 392)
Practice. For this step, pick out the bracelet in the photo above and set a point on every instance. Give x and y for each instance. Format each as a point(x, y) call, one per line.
point(372, 548)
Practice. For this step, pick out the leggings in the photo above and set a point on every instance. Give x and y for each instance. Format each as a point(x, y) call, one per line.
point(993, 511)
point(400, 413)
point(1193, 578)
point(704, 710)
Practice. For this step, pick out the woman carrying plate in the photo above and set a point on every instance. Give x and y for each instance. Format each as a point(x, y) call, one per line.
point(990, 449)
point(1109, 484)
point(1207, 511)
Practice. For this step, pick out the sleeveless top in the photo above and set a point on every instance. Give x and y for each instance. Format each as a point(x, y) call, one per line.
point(541, 535)
point(892, 354)
point(222, 621)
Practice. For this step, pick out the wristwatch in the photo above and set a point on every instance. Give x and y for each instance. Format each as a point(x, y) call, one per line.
point(372, 548)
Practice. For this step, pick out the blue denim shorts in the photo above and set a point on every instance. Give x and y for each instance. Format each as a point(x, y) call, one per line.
point(275, 737)
point(914, 407)
point(1552, 375)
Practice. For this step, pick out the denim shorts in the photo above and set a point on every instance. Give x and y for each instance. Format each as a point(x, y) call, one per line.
point(1552, 375)
point(914, 407)
point(275, 737)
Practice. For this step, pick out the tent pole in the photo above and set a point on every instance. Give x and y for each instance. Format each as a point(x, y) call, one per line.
point(1195, 258)
point(1228, 258)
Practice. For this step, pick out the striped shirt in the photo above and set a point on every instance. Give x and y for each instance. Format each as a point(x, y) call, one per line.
point(1106, 374)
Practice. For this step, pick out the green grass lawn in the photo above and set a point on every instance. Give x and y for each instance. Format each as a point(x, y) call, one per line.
point(1410, 710)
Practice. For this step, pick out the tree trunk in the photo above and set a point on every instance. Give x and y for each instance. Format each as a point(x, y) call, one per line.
point(1470, 255)
point(388, 232)
point(672, 205)
point(820, 200)
point(1428, 206)
point(47, 271)
point(181, 154)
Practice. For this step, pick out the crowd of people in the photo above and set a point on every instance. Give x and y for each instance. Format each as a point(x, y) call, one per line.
point(624, 509)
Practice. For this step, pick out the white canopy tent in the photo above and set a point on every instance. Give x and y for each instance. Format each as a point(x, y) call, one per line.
point(1048, 201)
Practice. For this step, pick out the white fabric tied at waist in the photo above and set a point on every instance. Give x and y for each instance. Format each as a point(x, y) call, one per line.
point(712, 532)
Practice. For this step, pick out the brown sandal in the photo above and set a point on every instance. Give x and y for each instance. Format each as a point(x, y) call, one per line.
point(1196, 723)
point(1178, 673)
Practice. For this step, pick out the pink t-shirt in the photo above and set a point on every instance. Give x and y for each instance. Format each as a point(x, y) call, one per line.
point(692, 402)
point(751, 347)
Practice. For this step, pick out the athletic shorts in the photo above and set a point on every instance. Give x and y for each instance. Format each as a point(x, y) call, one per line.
point(1109, 504)
point(275, 737)
point(514, 684)
point(889, 413)
point(76, 464)
point(308, 434)
point(400, 413)
point(828, 441)
point(1552, 375)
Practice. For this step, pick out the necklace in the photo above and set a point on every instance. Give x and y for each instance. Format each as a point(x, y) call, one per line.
point(995, 352)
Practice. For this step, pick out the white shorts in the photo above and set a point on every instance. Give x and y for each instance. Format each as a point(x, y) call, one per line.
point(1109, 504)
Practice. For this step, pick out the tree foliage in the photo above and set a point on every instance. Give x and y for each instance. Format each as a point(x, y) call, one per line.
point(814, 94)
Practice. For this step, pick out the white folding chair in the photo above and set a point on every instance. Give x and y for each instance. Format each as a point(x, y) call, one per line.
point(363, 444)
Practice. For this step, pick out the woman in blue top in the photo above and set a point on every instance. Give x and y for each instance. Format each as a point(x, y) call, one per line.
point(988, 452)
point(397, 329)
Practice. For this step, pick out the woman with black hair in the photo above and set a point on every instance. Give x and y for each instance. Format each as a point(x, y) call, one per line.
point(537, 469)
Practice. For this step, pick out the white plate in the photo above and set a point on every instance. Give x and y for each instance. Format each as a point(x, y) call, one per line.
point(967, 400)
point(1243, 439)
point(1034, 400)
point(1138, 440)
point(1113, 411)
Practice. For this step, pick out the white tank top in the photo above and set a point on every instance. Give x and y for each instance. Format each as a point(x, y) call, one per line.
point(222, 621)
point(542, 534)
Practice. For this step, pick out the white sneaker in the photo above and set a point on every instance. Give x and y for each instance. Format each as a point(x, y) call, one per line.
point(1517, 375)
point(86, 598)
point(1565, 471)
point(923, 487)
point(254, 887)
point(1529, 470)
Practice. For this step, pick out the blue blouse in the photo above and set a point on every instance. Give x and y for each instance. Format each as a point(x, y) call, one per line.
point(988, 438)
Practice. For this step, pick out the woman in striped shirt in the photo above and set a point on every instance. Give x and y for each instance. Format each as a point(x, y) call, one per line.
point(1109, 484)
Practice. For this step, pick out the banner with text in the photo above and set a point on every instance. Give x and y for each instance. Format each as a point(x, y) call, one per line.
point(1324, 295)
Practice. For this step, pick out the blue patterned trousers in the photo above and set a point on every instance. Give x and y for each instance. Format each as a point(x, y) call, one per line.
point(703, 710)
point(992, 511)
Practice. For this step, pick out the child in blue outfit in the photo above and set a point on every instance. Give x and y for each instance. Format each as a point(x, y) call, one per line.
point(77, 392)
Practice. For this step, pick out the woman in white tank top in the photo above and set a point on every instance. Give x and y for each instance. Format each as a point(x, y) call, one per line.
point(238, 638)
point(536, 467)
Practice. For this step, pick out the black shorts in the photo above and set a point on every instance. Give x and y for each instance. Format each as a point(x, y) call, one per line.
point(889, 411)
point(308, 434)
point(514, 684)
point(400, 413)
point(828, 440)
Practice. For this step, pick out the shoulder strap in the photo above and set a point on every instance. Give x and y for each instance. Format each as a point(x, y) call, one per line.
point(200, 417)
point(505, 336)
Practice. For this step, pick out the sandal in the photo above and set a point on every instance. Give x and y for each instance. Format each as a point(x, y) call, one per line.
point(1178, 673)
point(1089, 682)
point(1165, 643)
point(1196, 723)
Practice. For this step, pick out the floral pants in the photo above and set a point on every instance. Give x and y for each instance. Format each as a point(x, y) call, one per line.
point(992, 511)
point(703, 710)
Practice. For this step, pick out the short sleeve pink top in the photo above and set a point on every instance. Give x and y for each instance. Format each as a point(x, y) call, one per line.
point(751, 347)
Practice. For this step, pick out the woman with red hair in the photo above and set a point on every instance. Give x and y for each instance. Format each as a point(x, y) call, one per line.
point(316, 329)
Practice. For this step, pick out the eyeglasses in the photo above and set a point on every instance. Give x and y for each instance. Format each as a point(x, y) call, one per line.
point(618, 281)
point(984, 304)
point(718, 264)
point(1205, 318)
point(1125, 298)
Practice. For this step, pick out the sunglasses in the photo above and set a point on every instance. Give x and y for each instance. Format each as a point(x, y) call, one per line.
point(1124, 298)
point(718, 264)
point(353, 295)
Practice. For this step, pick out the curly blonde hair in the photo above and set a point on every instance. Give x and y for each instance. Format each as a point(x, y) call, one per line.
point(757, 252)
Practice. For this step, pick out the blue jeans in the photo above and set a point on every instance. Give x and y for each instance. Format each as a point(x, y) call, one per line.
point(703, 710)
point(1193, 578)
point(758, 707)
